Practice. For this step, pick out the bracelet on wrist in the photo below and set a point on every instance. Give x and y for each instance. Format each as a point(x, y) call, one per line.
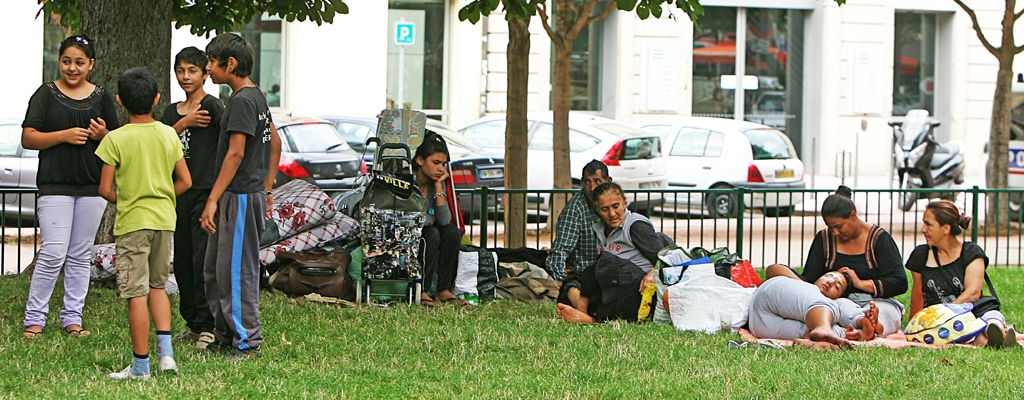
point(269, 193)
point(439, 195)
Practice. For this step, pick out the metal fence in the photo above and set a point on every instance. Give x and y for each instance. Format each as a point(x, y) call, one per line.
point(765, 239)
point(753, 234)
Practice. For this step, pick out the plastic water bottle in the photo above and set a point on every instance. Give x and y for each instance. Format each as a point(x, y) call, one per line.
point(471, 298)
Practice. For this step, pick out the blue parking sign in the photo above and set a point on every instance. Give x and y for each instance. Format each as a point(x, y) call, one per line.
point(405, 33)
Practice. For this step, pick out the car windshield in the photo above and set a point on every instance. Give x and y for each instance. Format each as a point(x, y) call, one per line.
point(314, 138)
point(769, 144)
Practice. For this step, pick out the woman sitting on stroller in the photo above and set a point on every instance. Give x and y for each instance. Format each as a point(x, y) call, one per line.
point(441, 238)
point(611, 288)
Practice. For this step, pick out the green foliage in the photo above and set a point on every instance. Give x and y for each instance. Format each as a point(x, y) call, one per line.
point(498, 350)
point(208, 16)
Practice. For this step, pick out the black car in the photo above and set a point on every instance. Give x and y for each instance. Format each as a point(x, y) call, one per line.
point(313, 150)
point(471, 168)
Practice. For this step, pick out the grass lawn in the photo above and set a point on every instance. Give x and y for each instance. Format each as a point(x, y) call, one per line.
point(499, 350)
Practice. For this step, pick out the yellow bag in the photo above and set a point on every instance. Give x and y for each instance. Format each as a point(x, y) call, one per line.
point(944, 323)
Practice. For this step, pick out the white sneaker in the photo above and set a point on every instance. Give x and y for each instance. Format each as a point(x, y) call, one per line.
point(126, 373)
point(167, 364)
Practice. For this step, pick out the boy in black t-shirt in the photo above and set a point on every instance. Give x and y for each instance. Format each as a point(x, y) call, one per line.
point(239, 202)
point(197, 122)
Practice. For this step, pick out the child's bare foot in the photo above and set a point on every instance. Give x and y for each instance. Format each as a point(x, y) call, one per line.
point(872, 315)
point(572, 315)
point(825, 335)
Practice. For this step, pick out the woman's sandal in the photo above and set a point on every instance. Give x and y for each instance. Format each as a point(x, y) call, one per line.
point(76, 331)
point(426, 301)
point(455, 300)
point(995, 335)
point(32, 333)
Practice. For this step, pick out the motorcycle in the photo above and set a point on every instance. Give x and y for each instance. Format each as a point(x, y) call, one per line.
point(922, 162)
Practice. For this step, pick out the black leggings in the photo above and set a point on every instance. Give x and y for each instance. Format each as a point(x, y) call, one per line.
point(440, 256)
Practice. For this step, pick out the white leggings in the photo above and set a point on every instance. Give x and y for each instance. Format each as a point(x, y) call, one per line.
point(68, 228)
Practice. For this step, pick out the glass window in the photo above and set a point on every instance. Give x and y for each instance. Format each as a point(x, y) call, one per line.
point(490, 134)
point(714, 55)
point(660, 130)
point(543, 139)
point(10, 138)
point(265, 35)
point(690, 142)
point(421, 85)
point(769, 144)
point(53, 34)
point(914, 63)
point(585, 63)
point(716, 141)
point(641, 148)
point(353, 133)
point(314, 138)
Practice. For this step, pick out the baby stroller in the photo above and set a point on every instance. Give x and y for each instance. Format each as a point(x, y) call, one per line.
point(392, 211)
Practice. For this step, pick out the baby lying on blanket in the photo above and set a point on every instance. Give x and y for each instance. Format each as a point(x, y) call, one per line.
point(814, 315)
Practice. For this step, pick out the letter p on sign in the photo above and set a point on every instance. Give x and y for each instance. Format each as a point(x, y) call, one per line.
point(405, 33)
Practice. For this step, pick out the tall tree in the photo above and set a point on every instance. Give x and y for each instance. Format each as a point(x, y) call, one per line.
point(999, 134)
point(131, 33)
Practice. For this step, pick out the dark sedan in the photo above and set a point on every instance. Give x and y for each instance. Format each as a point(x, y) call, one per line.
point(470, 167)
point(313, 150)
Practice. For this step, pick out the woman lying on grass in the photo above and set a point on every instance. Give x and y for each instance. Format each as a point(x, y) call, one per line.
point(948, 270)
point(812, 315)
point(607, 290)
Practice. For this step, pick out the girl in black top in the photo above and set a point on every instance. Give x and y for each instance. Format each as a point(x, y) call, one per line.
point(65, 121)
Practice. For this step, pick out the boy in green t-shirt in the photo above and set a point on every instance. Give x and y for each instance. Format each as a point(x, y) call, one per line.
point(142, 157)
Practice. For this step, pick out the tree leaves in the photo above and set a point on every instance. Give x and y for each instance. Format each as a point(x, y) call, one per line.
point(207, 16)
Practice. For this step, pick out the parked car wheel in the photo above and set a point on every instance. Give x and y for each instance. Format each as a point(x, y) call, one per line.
point(1014, 207)
point(722, 205)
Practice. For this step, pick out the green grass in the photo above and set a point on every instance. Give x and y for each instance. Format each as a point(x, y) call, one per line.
point(499, 350)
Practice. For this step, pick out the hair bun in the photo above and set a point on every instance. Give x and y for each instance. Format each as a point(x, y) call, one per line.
point(965, 221)
point(845, 191)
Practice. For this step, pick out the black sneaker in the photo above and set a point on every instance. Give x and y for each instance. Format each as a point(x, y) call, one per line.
point(242, 355)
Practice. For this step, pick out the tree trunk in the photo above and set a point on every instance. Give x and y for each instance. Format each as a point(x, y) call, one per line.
point(518, 59)
point(996, 170)
point(560, 104)
point(128, 34)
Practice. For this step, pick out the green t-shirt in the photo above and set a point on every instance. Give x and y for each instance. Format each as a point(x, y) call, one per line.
point(144, 155)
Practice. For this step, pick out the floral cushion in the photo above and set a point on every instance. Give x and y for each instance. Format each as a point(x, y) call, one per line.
point(104, 262)
point(340, 228)
point(298, 206)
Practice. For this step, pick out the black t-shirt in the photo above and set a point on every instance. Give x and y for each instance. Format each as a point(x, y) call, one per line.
point(69, 169)
point(247, 113)
point(943, 284)
point(199, 145)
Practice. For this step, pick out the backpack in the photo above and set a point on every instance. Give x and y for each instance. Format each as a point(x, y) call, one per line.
point(944, 323)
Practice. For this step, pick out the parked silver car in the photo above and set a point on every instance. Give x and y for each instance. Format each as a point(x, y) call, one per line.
point(19, 167)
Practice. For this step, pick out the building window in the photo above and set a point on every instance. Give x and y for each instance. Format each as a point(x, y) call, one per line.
point(53, 34)
point(421, 83)
point(772, 51)
point(265, 35)
point(913, 78)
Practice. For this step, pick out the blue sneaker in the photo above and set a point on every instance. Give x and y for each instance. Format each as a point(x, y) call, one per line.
point(126, 373)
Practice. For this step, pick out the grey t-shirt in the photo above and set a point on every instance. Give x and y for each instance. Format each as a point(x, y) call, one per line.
point(247, 113)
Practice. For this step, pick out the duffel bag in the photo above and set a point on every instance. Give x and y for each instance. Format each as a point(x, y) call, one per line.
point(315, 271)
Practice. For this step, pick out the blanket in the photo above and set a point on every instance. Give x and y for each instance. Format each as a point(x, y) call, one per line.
point(894, 341)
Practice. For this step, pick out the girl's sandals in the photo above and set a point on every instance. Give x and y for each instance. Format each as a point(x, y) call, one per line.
point(455, 300)
point(33, 332)
point(427, 301)
point(75, 330)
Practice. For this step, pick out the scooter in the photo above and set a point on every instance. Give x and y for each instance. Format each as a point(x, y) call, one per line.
point(922, 162)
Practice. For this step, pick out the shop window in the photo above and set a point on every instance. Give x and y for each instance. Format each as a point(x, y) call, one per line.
point(265, 35)
point(914, 63)
point(421, 84)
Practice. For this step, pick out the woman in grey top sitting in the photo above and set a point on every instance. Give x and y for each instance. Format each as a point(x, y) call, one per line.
point(612, 287)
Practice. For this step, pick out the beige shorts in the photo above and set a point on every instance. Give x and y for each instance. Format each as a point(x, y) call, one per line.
point(143, 261)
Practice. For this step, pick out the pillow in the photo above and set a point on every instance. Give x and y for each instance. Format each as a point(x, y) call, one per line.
point(298, 206)
point(341, 227)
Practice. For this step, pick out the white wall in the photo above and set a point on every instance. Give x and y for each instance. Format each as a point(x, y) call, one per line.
point(338, 68)
point(22, 72)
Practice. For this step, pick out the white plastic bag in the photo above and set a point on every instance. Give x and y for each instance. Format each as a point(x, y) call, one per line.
point(709, 303)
